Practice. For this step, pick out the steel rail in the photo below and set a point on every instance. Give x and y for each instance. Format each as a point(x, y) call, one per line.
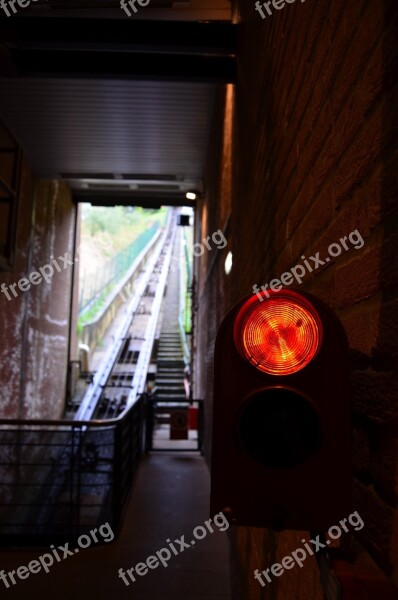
point(93, 395)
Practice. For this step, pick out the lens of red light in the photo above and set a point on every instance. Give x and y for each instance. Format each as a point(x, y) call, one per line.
point(279, 335)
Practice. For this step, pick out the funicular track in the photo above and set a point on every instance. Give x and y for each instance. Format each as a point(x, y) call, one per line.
point(122, 375)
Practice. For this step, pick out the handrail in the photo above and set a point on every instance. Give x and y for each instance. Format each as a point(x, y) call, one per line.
point(65, 422)
point(64, 476)
point(187, 354)
point(188, 262)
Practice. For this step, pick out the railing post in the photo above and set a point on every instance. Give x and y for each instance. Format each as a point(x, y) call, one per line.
point(148, 415)
point(117, 475)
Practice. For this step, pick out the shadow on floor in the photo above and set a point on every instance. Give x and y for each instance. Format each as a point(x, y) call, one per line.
point(170, 499)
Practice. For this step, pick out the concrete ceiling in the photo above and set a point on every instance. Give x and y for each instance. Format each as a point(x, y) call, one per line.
point(109, 129)
point(132, 132)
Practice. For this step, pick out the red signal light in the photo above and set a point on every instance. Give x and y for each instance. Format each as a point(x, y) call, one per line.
point(279, 335)
point(281, 414)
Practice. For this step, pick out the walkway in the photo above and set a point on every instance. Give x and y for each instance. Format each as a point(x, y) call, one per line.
point(169, 500)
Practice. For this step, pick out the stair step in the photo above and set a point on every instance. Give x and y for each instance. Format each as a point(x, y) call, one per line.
point(170, 388)
point(170, 348)
point(170, 362)
point(175, 375)
point(171, 381)
point(170, 397)
point(169, 334)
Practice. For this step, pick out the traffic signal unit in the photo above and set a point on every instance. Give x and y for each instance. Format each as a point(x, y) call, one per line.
point(281, 416)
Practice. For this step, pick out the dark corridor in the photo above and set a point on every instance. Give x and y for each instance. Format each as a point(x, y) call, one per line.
point(198, 299)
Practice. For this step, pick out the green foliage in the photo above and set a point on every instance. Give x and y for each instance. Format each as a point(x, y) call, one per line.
point(110, 235)
point(100, 219)
point(93, 311)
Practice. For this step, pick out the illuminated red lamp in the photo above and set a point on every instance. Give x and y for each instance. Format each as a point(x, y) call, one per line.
point(279, 335)
point(281, 445)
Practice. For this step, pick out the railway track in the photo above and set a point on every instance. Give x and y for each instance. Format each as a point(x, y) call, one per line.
point(122, 375)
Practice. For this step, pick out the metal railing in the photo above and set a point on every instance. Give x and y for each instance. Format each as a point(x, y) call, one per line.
point(59, 479)
point(98, 285)
point(183, 302)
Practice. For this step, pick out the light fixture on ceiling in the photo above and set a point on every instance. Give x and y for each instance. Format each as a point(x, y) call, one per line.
point(191, 195)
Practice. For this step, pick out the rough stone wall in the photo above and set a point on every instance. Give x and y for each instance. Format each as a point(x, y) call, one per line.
point(34, 324)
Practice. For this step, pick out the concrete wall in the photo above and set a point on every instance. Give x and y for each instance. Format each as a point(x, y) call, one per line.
point(312, 160)
point(34, 325)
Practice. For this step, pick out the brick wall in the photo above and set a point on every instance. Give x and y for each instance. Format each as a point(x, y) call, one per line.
point(313, 159)
point(212, 289)
point(34, 326)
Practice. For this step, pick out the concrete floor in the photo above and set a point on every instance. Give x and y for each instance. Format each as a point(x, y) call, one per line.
point(170, 499)
point(161, 439)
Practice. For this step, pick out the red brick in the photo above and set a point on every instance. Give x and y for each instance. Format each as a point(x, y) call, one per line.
point(363, 154)
point(388, 330)
point(358, 324)
point(314, 221)
point(378, 519)
point(375, 395)
point(383, 464)
point(359, 278)
point(313, 161)
point(361, 454)
point(322, 285)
